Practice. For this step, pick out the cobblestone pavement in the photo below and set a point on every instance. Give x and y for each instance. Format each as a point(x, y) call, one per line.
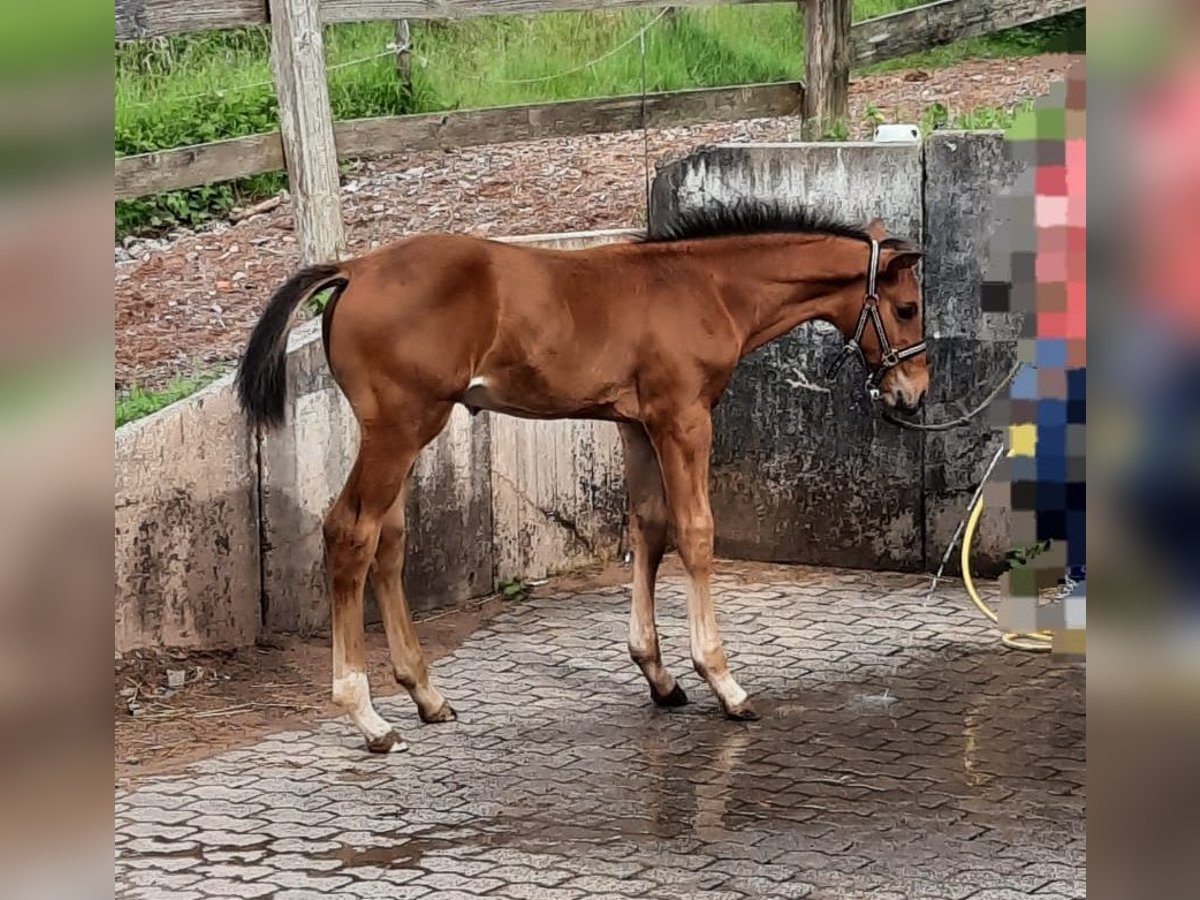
point(901, 753)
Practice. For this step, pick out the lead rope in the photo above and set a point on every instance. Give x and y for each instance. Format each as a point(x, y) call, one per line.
point(1035, 642)
point(963, 419)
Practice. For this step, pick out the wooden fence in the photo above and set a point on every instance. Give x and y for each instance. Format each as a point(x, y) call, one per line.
point(309, 143)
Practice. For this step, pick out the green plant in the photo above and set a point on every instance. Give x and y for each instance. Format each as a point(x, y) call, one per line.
point(194, 207)
point(317, 302)
point(980, 118)
point(514, 589)
point(935, 116)
point(873, 116)
point(137, 403)
point(836, 131)
point(1022, 556)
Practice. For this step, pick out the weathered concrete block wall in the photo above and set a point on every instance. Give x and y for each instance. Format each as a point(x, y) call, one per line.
point(187, 538)
point(800, 475)
point(305, 464)
point(817, 477)
point(969, 350)
point(558, 495)
point(558, 488)
point(219, 531)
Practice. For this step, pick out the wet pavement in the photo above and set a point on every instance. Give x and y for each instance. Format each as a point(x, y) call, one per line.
point(901, 753)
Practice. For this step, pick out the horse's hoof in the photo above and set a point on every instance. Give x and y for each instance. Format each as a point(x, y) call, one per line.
point(672, 700)
point(445, 714)
point(389, 743)
point(743, 713)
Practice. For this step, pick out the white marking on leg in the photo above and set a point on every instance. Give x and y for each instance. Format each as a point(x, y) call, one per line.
point(352, 692)
point(708, 654)
point(477, 381)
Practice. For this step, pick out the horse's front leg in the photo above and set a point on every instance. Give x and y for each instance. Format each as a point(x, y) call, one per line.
point(684, 443)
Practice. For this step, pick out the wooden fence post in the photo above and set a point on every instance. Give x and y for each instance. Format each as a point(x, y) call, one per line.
point(826, 64)
point(306, 125)
point(404, 54)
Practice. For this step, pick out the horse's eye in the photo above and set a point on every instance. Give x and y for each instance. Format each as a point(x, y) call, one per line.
point(909, 311)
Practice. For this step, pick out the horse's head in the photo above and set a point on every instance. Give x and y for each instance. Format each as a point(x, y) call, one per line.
point(897, 357)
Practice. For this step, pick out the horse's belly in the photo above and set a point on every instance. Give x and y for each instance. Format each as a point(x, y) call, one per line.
point(484, 393)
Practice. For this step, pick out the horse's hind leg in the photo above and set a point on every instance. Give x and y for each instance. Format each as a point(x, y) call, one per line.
point(352, 531)
point(408, 660)
point(648, 535)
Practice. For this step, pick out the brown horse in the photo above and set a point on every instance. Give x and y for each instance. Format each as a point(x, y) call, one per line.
point(645, 334)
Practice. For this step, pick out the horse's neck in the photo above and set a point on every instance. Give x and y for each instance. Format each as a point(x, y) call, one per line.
point(789, 316)
point(771, 300)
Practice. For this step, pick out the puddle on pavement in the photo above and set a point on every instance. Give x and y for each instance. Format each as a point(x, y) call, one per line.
point(854, 754)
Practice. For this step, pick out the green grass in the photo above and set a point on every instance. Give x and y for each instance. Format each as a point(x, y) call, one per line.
point(981, 118)
point(137, 403)
point(189, 89)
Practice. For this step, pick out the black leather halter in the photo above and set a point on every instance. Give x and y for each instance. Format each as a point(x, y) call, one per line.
point(889, 357)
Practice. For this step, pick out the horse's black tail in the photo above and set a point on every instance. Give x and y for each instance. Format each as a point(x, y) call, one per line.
point(262, 374)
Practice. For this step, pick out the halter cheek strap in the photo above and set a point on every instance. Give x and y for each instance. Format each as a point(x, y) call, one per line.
point(889, 357)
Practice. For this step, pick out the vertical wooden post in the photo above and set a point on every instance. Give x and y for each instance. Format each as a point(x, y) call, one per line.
point(306, 123)
point(404, 54)
point(827, 65)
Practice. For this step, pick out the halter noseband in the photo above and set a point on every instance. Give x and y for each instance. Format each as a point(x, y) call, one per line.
point(889, 358)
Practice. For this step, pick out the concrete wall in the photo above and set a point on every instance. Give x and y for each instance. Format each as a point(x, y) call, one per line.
point(558, 495)
point(187, 538)
point(969, 350)
point(817, 477)
point(798, 475)
point(219, 531)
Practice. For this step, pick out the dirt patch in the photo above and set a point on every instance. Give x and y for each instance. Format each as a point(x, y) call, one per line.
point(186, 305)
point(230, 699)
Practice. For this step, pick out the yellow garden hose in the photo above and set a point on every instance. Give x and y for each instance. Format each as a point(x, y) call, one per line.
point(1035, 642)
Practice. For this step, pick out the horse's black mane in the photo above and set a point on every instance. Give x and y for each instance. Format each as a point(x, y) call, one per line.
point(748, 217)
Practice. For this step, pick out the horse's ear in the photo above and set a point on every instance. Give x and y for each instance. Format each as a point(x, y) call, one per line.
point(901, 255)
point(876, 229)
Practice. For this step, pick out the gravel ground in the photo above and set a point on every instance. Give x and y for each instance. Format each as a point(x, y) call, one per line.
point(184, 305)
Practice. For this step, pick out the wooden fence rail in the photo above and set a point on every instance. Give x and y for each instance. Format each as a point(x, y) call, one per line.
point(169, 170)
point(137, 19)
point(945, 22)
point(310, 143)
